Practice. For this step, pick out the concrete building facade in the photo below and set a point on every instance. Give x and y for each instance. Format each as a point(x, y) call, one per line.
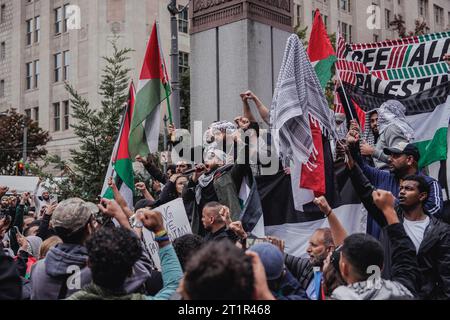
point(43, 45)
point(368, 20)
point(40, 48)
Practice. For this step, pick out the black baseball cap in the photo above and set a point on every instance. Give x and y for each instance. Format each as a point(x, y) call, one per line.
point(404, 148)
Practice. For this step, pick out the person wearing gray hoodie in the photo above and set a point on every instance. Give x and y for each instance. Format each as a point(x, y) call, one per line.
point(64, 270)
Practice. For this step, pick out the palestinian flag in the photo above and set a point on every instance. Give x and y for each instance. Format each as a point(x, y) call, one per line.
point(153, 89)
point(320, 51)
point(411, 71)
point(121, 166)
point(295, 227)
point(312, 176)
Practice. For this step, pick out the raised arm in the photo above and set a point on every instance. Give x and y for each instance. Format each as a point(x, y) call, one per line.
point(147, 195)
point(337, 229)
point(119, 198)
point(405, 267)
point(264, 112)
point(170, 265)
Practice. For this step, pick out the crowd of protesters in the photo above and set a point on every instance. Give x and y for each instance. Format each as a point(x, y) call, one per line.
point(62, 250)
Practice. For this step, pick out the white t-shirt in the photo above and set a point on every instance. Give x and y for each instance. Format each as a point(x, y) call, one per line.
point(415, 230)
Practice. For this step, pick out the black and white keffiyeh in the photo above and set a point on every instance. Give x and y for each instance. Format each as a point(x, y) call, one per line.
point(298, 97)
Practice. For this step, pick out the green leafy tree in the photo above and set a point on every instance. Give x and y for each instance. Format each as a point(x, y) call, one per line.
point(398, 24)
point(11, 150)
point(96, 129)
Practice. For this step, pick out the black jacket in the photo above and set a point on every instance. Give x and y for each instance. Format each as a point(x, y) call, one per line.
point(10, 282)
point(221, 234)
point(156, 173)
point(300, 268)
point(434, 252)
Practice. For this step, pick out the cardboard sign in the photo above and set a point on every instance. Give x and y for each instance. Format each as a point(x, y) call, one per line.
point(175, 222)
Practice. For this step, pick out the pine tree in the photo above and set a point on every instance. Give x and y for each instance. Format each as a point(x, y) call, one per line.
point(96, 129)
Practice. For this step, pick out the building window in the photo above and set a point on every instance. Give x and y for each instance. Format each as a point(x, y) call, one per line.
point(66, 115)
point(29, 77)
point(387, 17)
point(344, 30)
point(56, 117)
point(350, 38)
point(183, 62)
point(299, 13)
point(36, 114)
point(375, 38)
point(2, 88)
point(423, 8)
point(37, 29)
point(3, 13)
point(66, 65)
point(36, 73)
point(344, 5)
point(28, 113)
point(66, 17)
point(29, 31)
point(3, 50)
point(57, 73)
point(438, 15)
point(58, 20)
point(183, 20)
point(325, 21)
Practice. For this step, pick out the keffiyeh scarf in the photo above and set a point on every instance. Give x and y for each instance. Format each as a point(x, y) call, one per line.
point(298, 98)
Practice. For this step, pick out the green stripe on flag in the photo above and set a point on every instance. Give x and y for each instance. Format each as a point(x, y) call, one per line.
point(433, 150)
point(323, 70)
point(124, 169)
point(147, 100)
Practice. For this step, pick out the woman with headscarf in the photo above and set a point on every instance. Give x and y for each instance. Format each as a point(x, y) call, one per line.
point(393, 129)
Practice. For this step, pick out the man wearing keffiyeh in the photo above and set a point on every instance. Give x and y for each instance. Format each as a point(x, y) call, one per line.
point(393, 128)
point(219, 179)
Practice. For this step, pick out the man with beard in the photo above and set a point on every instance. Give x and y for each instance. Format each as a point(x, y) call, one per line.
point(213, 180)
point(320, 245)
point(43, 199)
point(430, 236)
point(371, 136)
point(403, 161)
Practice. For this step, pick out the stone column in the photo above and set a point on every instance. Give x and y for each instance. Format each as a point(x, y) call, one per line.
point(235, 45)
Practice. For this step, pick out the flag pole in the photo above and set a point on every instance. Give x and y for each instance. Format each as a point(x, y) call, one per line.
point(122, 123)
point(338, 73)
point(168, 84)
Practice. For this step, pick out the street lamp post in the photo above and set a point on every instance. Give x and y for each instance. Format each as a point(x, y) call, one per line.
point(174, 54)
point(25, 141)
